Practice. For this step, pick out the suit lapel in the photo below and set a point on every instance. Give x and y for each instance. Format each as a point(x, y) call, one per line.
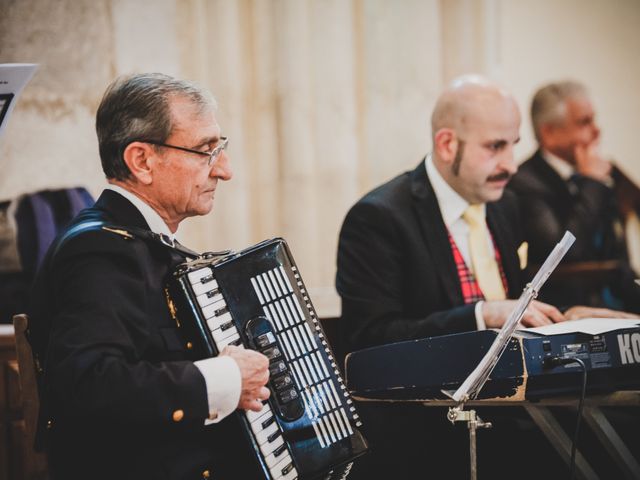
point(549, 176)
point(435, 233)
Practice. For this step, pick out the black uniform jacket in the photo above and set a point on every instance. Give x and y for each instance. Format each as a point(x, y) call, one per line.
point(115, 369)
point(396, 272)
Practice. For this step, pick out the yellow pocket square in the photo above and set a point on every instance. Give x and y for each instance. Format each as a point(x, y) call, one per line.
point(523, 252)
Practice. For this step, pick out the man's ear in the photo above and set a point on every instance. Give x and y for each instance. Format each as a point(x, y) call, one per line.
point(445, 144)
point(137, 156)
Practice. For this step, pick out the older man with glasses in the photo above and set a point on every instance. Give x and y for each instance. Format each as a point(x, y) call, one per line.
point(119, 399)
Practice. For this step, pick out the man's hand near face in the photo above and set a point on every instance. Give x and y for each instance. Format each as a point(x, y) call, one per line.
point(591, 163)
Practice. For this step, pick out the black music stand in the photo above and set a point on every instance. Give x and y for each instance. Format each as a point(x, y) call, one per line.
point(472, 385)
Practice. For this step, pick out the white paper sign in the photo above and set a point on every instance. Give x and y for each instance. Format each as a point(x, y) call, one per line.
point(13, 78)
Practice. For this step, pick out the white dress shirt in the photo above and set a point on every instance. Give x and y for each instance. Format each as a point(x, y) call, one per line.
point(452, 206)
point(221, 374)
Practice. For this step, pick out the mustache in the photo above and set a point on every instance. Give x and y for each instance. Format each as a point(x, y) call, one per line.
point(499, 177)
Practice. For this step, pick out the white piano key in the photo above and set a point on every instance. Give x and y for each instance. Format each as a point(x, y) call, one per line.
point(328, 396)
point(343, 428)
point(274, 317)
point(325, 435)
point(267, 283)
point(210, 310)
point(343, 414)
point(279, 272)
point(274, 282)
point(271, 460)
point(317, 398)
point(276, 471)
point(327, 423)
point(268, 448)
point(197, 275)
point(283, 317)
point(290, 354)
point(220, 345)
point(311, 336)
point(220, 335)
point(319, 435)
point(206, 298)
point(309, 406)
point(263, 288)
point(294, 311)
point(293, 342)
point(321, 374)
point(286, 279)
point(335, 393)
point(332, 419)
point(214, 322)
point(290, 318)
point(296, 303)
point(324, 368)
point(302, 335)
point(307, 375)
point(262, 436)
point(251, 415)
point(256, 288)
point(314, 374)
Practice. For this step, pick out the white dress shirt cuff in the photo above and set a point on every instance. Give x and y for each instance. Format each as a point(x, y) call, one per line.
point(224, 384)
point(479, 318)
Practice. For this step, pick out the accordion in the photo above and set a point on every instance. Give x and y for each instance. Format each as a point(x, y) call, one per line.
point(309, 427)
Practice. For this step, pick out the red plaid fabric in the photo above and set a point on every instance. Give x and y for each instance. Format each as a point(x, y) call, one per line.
point(471, 292)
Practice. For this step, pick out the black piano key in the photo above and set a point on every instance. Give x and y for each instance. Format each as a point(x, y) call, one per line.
point(226, 326)
point(287, 469)
point(213, 293)
point(206, 279)
point(220, 311)
point(268, 421)
point(280, 450)
point(273, 436)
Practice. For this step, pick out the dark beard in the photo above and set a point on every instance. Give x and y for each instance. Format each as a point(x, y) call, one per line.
point(455, 167)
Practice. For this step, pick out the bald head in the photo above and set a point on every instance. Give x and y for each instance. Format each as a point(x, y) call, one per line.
point(465, 97)
point(475, 125)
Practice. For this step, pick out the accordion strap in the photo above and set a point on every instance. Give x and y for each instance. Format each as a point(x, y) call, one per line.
point(126, 232)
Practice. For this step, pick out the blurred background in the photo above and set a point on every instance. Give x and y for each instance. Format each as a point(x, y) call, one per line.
point(322, 99)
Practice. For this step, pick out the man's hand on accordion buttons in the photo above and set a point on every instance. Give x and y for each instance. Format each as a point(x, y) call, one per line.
point(254, 370)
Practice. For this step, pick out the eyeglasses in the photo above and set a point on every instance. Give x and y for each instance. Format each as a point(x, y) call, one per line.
point(213, 154)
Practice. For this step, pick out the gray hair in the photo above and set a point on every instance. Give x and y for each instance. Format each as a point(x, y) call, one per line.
point(549, 103)
point(137, 107)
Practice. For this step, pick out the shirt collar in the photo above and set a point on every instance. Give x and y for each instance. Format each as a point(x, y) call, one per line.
point(153, 219)
point(452, 205)
point(560, 166)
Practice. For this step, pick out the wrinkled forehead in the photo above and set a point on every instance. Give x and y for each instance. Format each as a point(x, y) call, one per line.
point(188, 115)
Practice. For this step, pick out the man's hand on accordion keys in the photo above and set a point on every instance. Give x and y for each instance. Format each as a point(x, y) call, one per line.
point(254, 371)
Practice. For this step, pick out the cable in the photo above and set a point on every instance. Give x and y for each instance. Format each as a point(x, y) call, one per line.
point(556, 361)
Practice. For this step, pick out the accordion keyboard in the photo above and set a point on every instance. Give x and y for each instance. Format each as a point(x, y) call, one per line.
point(256, 299)
point(267, 433)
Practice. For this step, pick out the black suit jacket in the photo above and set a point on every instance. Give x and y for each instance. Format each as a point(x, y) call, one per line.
point(114, 365)
point(550, 206)
point(396, 272)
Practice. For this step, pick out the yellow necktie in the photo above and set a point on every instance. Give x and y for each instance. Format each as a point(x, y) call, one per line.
point(485, 267)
